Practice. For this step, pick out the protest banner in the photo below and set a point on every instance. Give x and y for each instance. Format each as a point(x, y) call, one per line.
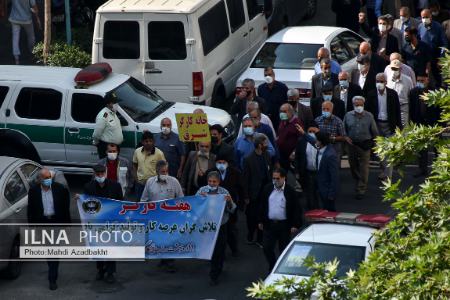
point(185, 227)
point(193, 127)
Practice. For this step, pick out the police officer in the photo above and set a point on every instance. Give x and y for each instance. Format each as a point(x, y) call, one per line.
point(107, 126)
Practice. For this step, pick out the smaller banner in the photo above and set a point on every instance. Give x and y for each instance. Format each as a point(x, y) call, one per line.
point(193, 127)
point(185, 227)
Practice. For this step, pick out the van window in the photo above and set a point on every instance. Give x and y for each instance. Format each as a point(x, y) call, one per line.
point(3, 91)
point(213, 27)
point(166, 40)
point(85, 107)
point(254, 7)
point(121, 40)
point(38, 103)
point(236, 12)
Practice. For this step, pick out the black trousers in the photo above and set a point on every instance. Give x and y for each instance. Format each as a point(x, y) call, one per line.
point(232, 231)
point(101, 149)
point(329, 204)
point(275, 231)
point(251, 211)
point(108, 267)
point(311, 190)
point(53, 267)
point(218, 256)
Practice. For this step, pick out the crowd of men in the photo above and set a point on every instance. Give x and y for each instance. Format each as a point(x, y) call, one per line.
point(279, 137)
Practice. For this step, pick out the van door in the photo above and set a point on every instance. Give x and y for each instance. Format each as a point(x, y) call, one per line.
point(118, 40)
point(257, 25)
point(168, 55)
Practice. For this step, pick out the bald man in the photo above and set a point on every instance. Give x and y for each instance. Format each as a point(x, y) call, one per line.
point(404, 69)
point(287, 134)
point(325, 53)
point(377, 63)
point(405, 20)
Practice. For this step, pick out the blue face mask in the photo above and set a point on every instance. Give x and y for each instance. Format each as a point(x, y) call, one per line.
point(221, 167)
point(327, 97)
point(343, 83)
point(248, 131)
point(420, 85)
point(47, 182)
point(100, 179)
point(312, 134)
point(326, 114)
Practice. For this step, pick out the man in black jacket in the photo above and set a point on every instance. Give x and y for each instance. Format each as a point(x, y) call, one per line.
point(218, 146)
point(101, 186)
point(347, 90)
point(318, 81)
point(49, 202)
point(364, 76)
point(327, 95)
point(280, 215)
point(247, 94)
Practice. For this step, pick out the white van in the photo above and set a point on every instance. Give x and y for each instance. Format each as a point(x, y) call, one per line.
point(186, 50)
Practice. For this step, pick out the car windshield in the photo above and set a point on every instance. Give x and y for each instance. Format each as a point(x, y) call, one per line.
point(139, 101)
point(292, 263)
point(287, 56)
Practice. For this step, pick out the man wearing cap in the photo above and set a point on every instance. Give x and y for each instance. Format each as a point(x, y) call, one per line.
point(303, 112)
point(326, 77)
point(364, 76)
point(327, 95)
point(274, 92)
point(402, 84)
point(347, 90)
point(404, 69)
point(100, 186)
point(108, 129)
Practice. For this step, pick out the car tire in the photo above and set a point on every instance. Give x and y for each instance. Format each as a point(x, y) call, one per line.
point(311, 8)
point(14, 268)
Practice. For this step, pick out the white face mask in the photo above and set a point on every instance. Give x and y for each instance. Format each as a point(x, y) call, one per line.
point(380, 86)
point(359, 109)
point(111, 156)
point(268, 79)
point(163, 177)
point(165, 130)
point(426, 21)
point(403, 19)
point(115, 107)
point(396, 73)
point(382, 27)
point(434, 13)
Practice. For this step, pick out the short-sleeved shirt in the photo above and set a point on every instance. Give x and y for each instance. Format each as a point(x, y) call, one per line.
point(158, 190)
point(21, 11)
point(146, 163)
point(172, 148)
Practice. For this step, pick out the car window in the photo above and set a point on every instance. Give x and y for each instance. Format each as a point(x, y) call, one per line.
point(15, 188)
point(254, 7)
point(3, 92)
point(352, 41)
point(166, 40)
point(286, 56)
point(236, 12)
point(39, 103)
point(85, 107)
point(339, 51)
point(213, 27)
point(31, 172)
point(292, 263)
point(121, 40)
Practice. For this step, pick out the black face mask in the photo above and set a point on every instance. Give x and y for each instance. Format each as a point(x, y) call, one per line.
point(214, 140)
point(249, 93)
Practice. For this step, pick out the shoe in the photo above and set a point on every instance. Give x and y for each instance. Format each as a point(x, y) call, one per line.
point(110, 278)
point(52, 285)
point(214, 281)
point(100, 276)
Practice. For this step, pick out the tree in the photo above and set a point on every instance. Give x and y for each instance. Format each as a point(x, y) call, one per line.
point(47, 29)
point(412, 255)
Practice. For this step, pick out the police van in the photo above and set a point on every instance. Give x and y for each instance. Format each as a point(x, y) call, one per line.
point(189, 51)
point(46, 117)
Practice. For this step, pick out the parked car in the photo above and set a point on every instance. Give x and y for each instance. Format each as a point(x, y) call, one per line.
point(16, 176)
point(46, 117)
point(292, 52)
point(188, 51)
point(347, 237)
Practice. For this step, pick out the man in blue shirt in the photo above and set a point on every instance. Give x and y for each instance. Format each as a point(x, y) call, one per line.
point(325, 53)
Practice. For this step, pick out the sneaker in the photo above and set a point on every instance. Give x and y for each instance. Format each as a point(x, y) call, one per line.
point(52, 285)
point(110, 278)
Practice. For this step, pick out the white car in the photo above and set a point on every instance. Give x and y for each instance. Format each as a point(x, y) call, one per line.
point(345, 236)
point(292, 52)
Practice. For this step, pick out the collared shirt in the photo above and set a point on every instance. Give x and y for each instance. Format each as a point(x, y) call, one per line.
point(172, 148)
point(47, 202)
point(155, 190)
point(433, 36)
point(320, 155)
point(344, 96)
point(404, 69)
point(264, 120)
point(402, 86)
point(335, 67)
point(229, 208)
point(311, 154)
point(21, 11)
point(382, 106)
point(332, 125)
point(360, 127)
point(277, 204)
point(243, 147)
point(362, 80)
point(146, 163)
point(223, 174)
point(107, 127)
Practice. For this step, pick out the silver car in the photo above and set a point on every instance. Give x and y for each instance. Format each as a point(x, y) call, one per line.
point(16, 177)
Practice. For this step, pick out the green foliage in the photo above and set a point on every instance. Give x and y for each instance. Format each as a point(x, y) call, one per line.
point(412, 255)
point(62, 55)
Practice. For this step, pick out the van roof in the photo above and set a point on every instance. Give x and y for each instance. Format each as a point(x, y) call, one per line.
point(164, 6)
point(57, 76)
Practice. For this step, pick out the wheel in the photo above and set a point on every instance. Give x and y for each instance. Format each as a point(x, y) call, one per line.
point(311, 8)
point(14, 268)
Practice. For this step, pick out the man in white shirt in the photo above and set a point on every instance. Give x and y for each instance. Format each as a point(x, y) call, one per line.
point(404, 69)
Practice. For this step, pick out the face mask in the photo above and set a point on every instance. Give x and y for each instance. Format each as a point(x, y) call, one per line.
point(214, 140)
point(420, 85)
point(249, 93)
point(248, 131)
point(380, 86)
point(100, 179)
point(343, 83)
point(312, 134)
point(382, 27)
point(115, 107)
point(326, 114)
point(47, 182)
point(434, 13)
point(165, 130)
point(212, 188)
point(268, 79)
point(359, 109)
point(163, 177)
point(360, 67)
point(203, 152)
point(396, 73)
point(283, 116)
point(403, 19)
point(111, 156)
point(426, 21)
point(327, 97)
point(221, 167)
point(277, 183)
